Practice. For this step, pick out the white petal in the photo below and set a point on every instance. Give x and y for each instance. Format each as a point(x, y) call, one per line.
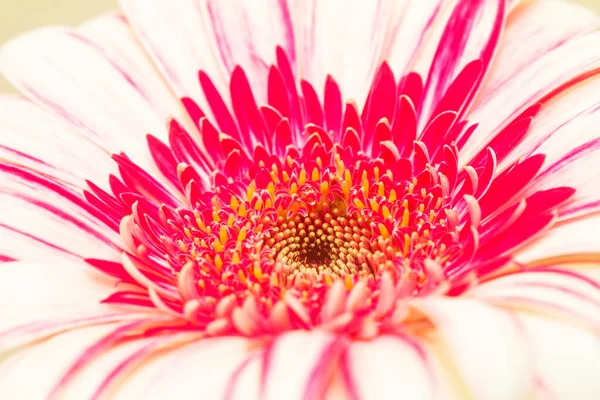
point(564, 123)
point(558, 292)
point(344, 39)
point(113, 33)
point(388, 367)
point(533, 28)
point(567, 358)
point(478, 336)
point(414, 22)
point(29, 286)
point(246, 383)
point(565, 131)
point(212, 36)
point(248, 34)
point(41, 299)
point(178, 38)
point(92, 86)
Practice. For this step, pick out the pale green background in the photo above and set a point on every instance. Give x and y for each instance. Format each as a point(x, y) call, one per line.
point(21, 15)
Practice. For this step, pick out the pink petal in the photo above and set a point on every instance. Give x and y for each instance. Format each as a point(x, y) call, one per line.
point(298, 364)
point(387, 366)
point(94, 83)
point(478, 336)
point(49, 221)
point(567, 358)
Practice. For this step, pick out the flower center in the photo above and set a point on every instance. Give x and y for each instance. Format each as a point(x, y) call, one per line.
point(283, 211)
point(303, 223)
point(325, 239)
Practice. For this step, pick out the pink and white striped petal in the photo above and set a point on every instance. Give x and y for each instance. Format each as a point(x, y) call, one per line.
point(299, 364)
point(552, 73)
point(410, 31)
point(560, 293)
point(115, 99)
point(207, 365)
point(472, 32)
point(44, 220)
point(534, 28)
point(214, 37)
point(50, 299)
point(178, 39)
point(47, 361)
point(63, 151)
point(564, 123)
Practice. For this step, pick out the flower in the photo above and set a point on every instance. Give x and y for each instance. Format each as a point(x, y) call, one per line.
point(434, 236)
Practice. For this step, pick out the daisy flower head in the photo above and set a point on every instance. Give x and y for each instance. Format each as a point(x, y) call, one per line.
point(298, 199)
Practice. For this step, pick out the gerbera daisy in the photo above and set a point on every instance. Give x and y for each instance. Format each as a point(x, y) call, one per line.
point(303, 199)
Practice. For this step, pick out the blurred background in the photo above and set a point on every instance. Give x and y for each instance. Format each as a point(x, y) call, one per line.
point(20, 15)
